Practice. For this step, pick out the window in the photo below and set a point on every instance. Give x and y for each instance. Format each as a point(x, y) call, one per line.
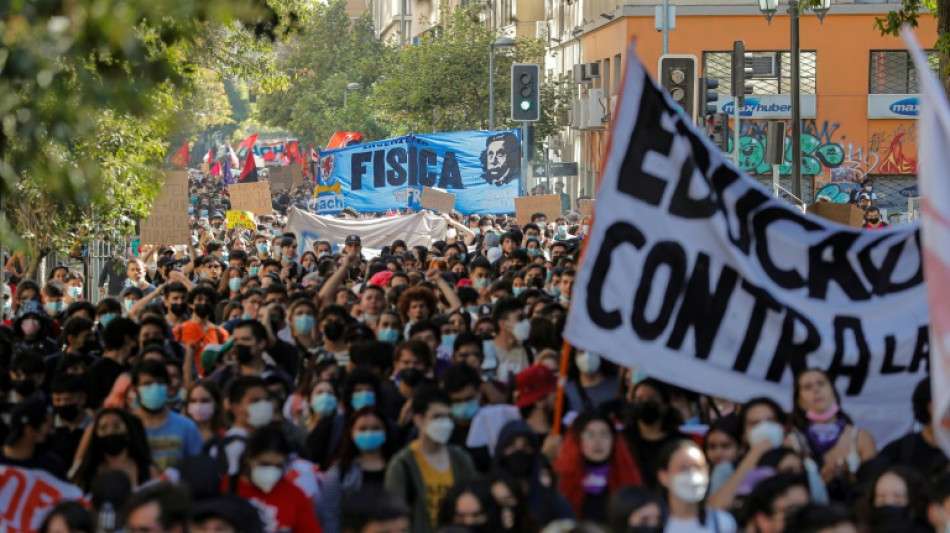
point(893, 72)
point(618, 66)
point(608, 89)
point(772, 71)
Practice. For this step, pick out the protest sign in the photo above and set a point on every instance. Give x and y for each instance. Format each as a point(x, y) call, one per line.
point(168, 222)
point(253, 197)
point(419, 229)
point(695, 274)
point(481, 168)
point(26, 495)
point(437, 200)
point(549, 204)
point(585, 207)
point(240, 219)
point(284, 178)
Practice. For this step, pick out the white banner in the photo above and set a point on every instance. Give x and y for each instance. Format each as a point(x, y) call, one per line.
point(419, 229)
point(933, 141)
point(26, 495)
point(697, 275)
point(767, 106)
point(897, 106)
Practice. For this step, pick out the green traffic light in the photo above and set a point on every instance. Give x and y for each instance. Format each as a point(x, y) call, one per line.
point(525, 105)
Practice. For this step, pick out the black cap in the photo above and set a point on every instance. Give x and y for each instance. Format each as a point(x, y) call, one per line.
point(165, 261)
point(32, 412)
point(352, 239)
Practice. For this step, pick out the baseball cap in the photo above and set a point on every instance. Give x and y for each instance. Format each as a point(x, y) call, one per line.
point(165, 261)
point(31, 413)
point(352, 239)
point(533, 384)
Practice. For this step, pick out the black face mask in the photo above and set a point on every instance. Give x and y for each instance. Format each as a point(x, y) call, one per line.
point(90, 346)
point(646, 412)
point(644, 529)
point(411, 376)
point(874, 220)
point(333, 331)
point(518, 463)
point(67, 412)
point(178, 309)
point(204, 311)
point(243, 353)
point(23, 387)
point(886, 517)
point(115, 443)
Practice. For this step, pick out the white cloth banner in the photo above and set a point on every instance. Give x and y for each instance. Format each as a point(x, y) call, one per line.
point(26, 495)
point(697, 275)
point(934, 138)
point(419, 229)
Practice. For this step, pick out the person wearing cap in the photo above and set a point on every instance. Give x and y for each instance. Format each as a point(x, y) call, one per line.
point(129, 297)
point(30, 426)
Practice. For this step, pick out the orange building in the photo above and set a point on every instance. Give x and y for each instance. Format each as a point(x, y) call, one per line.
point(858, 87)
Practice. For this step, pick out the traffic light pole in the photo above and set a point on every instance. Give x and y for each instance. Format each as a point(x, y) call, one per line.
point(796, 102)
point(524, 161)
point(735, 130)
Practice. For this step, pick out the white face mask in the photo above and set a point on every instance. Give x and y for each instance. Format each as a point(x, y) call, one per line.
point(522, 330)
point(265, 477)
point(690, 486)
point(587, 363)
point(260, 413)
point(766, 431)
point(440, 430)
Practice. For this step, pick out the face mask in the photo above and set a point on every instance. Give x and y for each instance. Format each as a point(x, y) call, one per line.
point(152, 397)
point(518, 463)
point(891, 518)
point(244, 354)
point(265, 477)
point(234, 284)
point(178, 309)
point(303, 324)
point(262, 247)
point(448, 340)
point(74, 292)
point(868, 188)
point(766, 431)
point(204, 311)
point(517, 291)
point(647, 412)
point(193, 199)
point(201, 412)
point(128, 305)
point(23, 387)
point(106, 318)
point(480, 284)
point(260, 413)
point(253, 271)
point(321, 255)
point(191, 209)
point(203, 212)
point(874, 220)
point(67, 412)
point(388, 335)
point(362, 399)
point(30, 326)
point(555, 292)
point(587, 363)
point(323, 404)
point(522, 330)
point(114, 444)
point(690, 486)
point(440, 430)
point(369, 441)
point(333, 331)
point(473, 309)
point(465, 410)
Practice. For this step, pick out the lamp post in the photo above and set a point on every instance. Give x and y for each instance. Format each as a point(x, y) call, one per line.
point(504, 42)
point(349, 87)
point(769, 8)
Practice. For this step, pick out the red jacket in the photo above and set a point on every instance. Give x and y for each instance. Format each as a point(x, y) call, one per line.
point(283, 509)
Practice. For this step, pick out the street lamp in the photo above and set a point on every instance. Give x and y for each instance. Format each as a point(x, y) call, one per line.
point(769, 8)
point(350, 87)
point(504, 42)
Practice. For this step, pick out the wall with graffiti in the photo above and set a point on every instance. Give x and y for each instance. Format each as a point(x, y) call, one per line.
point(896, 143)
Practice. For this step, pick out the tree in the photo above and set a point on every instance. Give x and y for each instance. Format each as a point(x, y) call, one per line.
point(442, 83)
point(330, 52)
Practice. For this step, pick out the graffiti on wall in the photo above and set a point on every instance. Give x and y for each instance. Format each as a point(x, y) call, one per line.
point(896, 148)
point(824, 151)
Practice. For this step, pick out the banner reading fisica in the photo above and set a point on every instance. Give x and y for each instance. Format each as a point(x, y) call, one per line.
point(482, 169)
point(697, 275)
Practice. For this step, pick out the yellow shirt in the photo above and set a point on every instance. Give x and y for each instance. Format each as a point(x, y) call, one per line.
point(437, 483)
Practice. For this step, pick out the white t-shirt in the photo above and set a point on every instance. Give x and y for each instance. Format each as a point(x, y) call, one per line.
point(716, 522)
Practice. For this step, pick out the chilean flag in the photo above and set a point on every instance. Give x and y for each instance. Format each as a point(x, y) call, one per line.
point(249, 173)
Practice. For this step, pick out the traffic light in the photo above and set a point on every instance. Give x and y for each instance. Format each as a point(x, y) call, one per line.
point(708, 98)
point(741, 72)
point(525, 92)
point(678, 77)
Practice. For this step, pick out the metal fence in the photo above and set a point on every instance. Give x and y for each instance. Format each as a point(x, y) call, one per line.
point(773, 72)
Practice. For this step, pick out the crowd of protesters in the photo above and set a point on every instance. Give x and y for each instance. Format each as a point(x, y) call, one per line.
point(239, 383)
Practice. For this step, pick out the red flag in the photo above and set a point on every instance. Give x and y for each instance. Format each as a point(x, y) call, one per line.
point(270, 155)
point(247, 143)
point(181, 156)
point(342, 139)
point(292, 148)
point(209, 157)
point(249, 173)
point(216, 169)
point(314, 156)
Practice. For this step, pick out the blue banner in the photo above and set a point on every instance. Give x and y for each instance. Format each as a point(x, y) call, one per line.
point(481, 168)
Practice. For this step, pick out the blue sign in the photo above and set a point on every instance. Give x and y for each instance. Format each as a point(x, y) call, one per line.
point(908, 107)
point(481, 168)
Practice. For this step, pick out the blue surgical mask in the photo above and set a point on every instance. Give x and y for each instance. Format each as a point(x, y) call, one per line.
point(480, 284)
point(191, 210)
point(303, 324)
point(153, 396)
point(53, 308)
point(388, 335)
point(128, 305)
point(106, 318)
point(362, 399)
point(74, 292)
point(517, 291)
point(473, 309)
point(254, 271)
point(465, 410)
point(262, 247)
point(369, 441)
point(234, 284)
point(448, 340)
point(323, 404)
point(203, 212)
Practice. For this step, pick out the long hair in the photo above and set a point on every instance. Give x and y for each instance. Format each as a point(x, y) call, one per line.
point(663, 463)
point(569, 465)
point(218, 420)
point(525, 519)
point(348, 450)
point(481, 492)
point(798, 418)
point(94, 456)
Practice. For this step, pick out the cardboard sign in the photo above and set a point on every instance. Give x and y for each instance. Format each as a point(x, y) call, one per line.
point(253, 197)
point(549, 204)
point(168, 223)
point(846, 214)
point(284, 178)
point(586, 207)
point(241, 219)
point(437, 200)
